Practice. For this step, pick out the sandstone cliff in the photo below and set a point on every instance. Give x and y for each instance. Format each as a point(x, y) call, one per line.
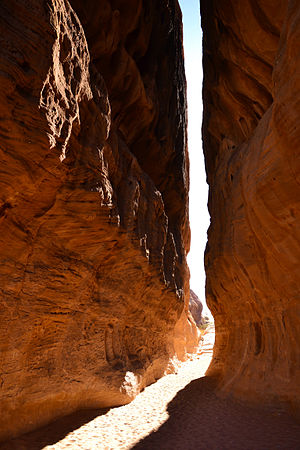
point(251, 137)
point(93, 204)
point(196, 308)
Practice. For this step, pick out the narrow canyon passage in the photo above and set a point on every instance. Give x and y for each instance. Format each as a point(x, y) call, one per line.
point(179, 411)
point(94, 226)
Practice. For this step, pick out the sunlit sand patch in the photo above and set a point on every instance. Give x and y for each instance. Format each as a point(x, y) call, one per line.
point(123, 427)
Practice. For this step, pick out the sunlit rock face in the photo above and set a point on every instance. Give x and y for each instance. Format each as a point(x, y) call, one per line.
point(93, 207)
point(251, 135)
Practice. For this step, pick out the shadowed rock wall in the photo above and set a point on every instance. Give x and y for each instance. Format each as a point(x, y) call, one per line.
point(93, 204)
point(251, 136)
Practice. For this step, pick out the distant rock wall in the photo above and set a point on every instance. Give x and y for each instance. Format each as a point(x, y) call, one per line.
point(251, 136)
point(93, 204)
point(196, 308)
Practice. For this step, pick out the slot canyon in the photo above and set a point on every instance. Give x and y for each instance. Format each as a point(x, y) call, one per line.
point(94, 190)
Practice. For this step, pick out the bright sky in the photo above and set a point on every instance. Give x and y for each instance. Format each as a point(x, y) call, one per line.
point(199, 217)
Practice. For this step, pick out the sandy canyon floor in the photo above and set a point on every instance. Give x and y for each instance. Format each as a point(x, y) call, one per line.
point(179, 411)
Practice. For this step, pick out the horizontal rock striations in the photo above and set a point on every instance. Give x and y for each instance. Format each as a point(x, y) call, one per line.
point(251, 137)
point(93, 204)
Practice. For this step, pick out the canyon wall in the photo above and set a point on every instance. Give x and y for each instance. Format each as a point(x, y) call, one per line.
point(94, 285)
point(251, 136)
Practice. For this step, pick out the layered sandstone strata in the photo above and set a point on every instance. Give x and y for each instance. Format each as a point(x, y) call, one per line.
point(251, 135)
point(93, 207)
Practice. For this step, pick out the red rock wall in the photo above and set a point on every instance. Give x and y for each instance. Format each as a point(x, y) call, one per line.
point(93, 204)
point(251, 137)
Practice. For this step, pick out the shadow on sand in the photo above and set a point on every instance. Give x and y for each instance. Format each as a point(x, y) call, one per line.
point(54, 432)
point(199, 419)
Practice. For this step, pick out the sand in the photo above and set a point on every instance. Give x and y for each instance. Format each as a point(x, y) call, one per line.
point(179, 411)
